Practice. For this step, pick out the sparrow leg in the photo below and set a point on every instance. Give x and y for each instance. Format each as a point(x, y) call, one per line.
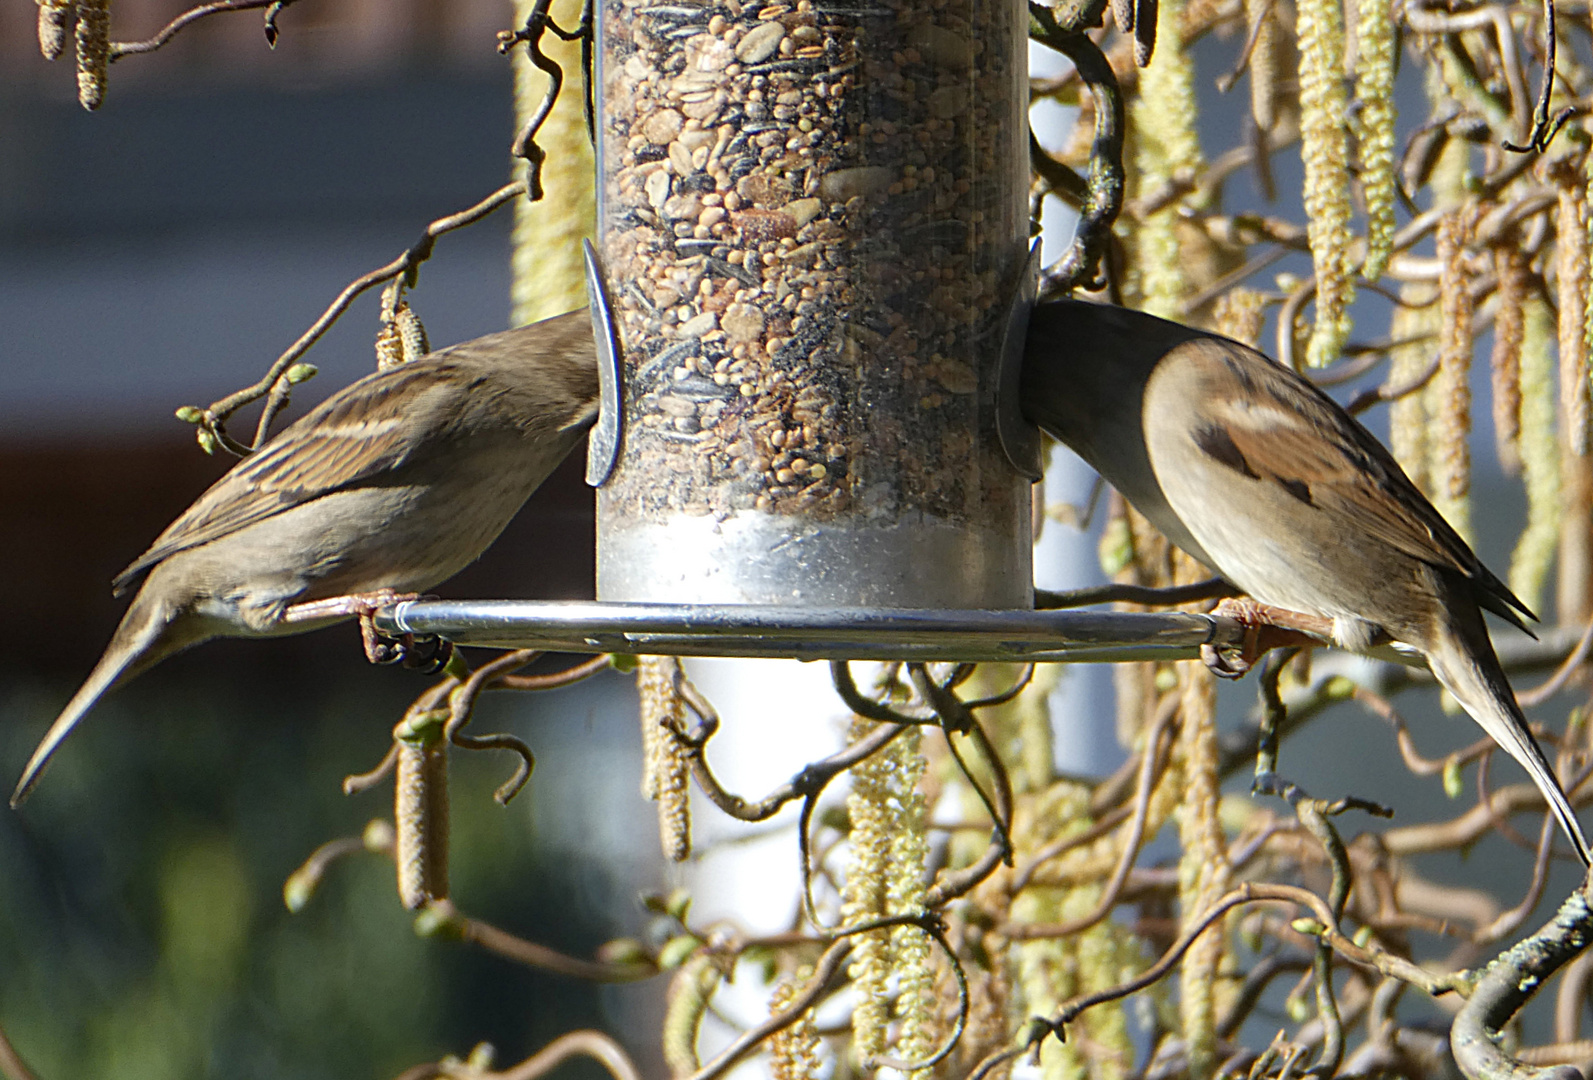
point(1265, 628)
point(379, 648)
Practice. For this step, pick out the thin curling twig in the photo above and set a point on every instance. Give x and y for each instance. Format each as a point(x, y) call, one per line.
point(1507, 984)
point(538, 22)
point(442, 919)
point(215, 416)
point(461, 705)
point(932, 926)
point(1562, 675)
point(854, 699)
point(1509, 921)
point(1544, 126)
point(553, 680)
point(120, 49)
point(824, 971)
point(593, 1044)
point(806, 784)
point(429, 700)
point(1248, 893)
point(1122, 593)
point(1080, 267)
point(1150, 761)
point(957, 718)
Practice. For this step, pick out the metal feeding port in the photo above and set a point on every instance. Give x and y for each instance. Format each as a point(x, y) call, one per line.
point(810, 289)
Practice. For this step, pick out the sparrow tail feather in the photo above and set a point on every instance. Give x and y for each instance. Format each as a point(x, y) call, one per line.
point(134, 647)
point(1474, 677)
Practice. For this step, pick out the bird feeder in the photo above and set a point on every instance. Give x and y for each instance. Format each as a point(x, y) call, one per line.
point(810, 289)
point(812, 233)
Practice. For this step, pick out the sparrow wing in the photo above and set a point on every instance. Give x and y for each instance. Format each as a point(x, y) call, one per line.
point(366, 429)
point(1288, 431)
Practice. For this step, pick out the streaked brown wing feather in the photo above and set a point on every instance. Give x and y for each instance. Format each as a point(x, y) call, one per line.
point(1352, 477)
point(351, 437)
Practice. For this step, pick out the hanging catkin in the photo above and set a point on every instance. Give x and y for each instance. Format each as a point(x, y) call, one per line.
point(1504, 364)
point(1451, 450)
point(1324, 149)
point(1374, 91)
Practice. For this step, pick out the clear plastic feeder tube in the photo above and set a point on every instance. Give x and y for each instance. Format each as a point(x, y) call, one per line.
point(813, 225)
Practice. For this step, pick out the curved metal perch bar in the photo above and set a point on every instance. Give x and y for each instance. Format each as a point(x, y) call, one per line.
point(757, 630)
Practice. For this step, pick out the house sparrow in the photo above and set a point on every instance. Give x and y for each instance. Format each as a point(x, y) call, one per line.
point(392, 485)
point(1261, 476)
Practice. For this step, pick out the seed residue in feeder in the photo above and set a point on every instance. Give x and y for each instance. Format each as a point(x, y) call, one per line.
point(814, 216)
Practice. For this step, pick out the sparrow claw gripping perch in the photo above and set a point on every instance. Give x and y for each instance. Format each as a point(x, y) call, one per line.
point(1265, 628)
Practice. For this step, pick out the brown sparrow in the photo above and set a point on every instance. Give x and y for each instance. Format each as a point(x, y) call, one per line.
point(392, 485)
point(1261, 476)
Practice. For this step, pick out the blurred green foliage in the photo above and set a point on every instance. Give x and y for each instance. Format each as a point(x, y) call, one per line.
point(142, 930)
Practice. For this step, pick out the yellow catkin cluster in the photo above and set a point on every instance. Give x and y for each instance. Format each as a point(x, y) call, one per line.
point(389, 347)
point(1534, 555)
point(1450, 448)
point(912, 951)
point(549, 270)
point(989, 999)
point(1415, 326)
point(93, 51)
point(411, 332)
point(401, 339)
point(1203, 870)
point(1169, 152)
point(1262, 20)
point(1050, 971)
point(888, 846)
point(1571, 269)
point(1587, 200)
point(665, 772)
point(1020, 729)
point(1374, 90)
point(1240, 314)
point(1324, 150)
point(794, 1051)
point(1504, 363)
